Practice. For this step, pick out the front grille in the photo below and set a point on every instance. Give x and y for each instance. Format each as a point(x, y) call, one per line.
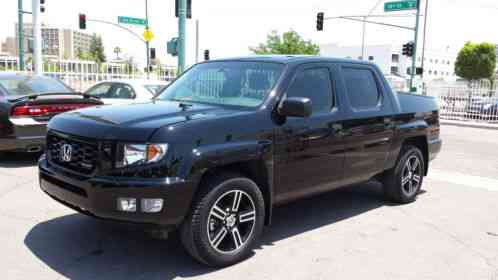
point(83, 156)
point(63, 185)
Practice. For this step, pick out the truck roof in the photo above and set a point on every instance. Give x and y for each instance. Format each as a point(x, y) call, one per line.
point(291, 59)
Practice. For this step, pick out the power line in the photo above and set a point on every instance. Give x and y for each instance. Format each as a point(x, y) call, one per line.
point(473, 5)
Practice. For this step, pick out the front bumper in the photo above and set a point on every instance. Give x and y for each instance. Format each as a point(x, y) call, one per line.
point(434, 148)
point(97, 196)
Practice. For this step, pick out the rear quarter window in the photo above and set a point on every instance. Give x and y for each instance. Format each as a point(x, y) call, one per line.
point(362, 90)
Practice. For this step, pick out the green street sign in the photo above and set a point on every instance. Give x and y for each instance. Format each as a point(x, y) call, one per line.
point(133, 21)
point(400, 6)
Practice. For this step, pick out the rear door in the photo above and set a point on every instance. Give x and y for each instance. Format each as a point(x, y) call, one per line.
point(368, 129)
point(309, 152)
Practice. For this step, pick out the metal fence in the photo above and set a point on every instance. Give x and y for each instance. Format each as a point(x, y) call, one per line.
point(82, 75)
point(474, 102)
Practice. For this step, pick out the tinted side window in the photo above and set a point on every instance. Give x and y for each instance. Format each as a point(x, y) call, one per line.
point(362, 88)
point(314, 84)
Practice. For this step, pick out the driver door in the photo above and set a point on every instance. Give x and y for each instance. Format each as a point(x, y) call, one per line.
point(309, 152)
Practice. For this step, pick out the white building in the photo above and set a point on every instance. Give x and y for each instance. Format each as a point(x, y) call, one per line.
point(438, 65)
point(58, 43)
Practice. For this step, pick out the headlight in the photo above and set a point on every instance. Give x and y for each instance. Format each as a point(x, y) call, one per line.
point(134, 154)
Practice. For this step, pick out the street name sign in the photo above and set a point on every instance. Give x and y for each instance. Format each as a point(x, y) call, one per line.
point(400, 6)
point(132, 21)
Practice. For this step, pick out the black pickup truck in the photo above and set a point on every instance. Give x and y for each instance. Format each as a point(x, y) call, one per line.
point(230, 139)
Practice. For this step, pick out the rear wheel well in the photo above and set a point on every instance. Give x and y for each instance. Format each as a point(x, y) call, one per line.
point(421, 143)
point(254, 170)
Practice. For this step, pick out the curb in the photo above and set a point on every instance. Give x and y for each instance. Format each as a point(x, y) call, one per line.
point(469, 124)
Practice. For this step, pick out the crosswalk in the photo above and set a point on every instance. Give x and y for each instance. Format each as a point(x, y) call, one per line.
point(472, 181)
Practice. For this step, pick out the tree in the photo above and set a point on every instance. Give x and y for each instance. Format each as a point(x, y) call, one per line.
point(97, 49)
point(289, 43)
point(476, 62)
point(117, 51)
point(81, 55)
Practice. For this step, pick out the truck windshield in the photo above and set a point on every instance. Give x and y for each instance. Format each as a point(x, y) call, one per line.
point(235, 83)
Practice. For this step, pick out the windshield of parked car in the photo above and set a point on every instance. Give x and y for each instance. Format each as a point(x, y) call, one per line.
point(235, 83)
point(25, 85)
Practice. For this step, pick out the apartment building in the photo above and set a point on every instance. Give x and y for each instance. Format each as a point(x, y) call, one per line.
point(58, 43)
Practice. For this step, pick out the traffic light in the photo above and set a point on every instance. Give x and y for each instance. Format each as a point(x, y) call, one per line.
point(409, 49)
point(152, 53)
point(189, 8)
point(42, 6)
point(319, 21)
point(82, 21)
point(206, 55)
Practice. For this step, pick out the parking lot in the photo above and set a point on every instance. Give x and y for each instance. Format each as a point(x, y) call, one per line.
point(451, 232)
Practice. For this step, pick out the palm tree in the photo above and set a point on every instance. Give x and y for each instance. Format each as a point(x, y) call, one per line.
point(117, 51)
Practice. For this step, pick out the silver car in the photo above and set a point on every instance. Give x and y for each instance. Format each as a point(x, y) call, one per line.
point(126, 91)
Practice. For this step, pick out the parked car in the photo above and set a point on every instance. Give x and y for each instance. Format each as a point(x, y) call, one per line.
point(474, 106)
point(490, 109)
point(126, 91)
point(230, 139)
point(27, 103)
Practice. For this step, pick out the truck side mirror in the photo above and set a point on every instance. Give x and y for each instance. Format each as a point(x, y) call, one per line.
point(300, 107)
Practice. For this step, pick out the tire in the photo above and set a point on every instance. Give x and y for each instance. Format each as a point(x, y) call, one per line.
point(217, 232)
point(401, 185)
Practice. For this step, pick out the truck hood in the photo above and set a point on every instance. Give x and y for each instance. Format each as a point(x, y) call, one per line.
point(133, 122)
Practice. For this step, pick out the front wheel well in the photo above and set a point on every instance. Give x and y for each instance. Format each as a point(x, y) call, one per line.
point(421, 143)
point(255, 170)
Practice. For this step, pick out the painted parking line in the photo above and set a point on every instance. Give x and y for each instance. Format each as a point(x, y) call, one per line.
point(464, 179)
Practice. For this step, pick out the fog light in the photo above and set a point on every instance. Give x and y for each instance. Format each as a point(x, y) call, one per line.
point(127, 204)
point(152, 205)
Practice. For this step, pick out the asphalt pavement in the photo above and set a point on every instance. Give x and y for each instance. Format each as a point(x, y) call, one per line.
point(450, 232)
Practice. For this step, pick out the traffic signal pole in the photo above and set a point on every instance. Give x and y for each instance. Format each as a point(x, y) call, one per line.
point(414, 57)
point(182, 21)
point(147, 45)
point(20, 30)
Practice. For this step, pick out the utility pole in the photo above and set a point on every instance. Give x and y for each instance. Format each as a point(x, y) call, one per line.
point(182, 21)
point(196, 41)
point(147, 45)
point(363, 47)
point(425, 32)
point(363, 38)
point(414, 58)
point(20, 31)
point(37, 38)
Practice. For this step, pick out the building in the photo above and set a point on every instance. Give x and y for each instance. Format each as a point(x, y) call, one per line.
point(57, 43)
point(9, 46)
point(438, 65)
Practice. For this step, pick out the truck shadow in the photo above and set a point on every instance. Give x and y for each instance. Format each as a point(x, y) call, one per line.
point(79, 247)
point(17, 160)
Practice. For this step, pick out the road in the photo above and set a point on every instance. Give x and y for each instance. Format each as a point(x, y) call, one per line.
point(450, 232)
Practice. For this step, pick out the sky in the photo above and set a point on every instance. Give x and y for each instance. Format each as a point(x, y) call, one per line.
point(229, 27)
